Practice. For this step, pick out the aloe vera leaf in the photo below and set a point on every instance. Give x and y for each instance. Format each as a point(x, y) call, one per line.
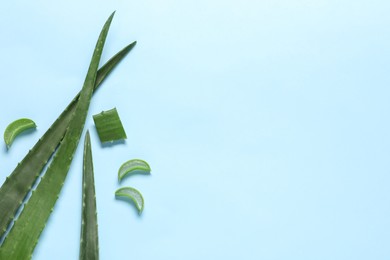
point(20, 181)
point(132, 194)
point(21, 241)
point(109, 126)
point(17, 127)
point(133, 166)
point(89, 242)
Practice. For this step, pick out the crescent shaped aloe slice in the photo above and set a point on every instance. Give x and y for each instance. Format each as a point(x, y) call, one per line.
point(21, 241)
point(15, 128)
point(132, 167)
point(89, 241)
point(134, 195)
point(20, 181)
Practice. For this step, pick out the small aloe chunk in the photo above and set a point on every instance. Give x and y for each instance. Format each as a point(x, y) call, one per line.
point(109, 126)
point(132, 167)
point(89, 242)
point(132, 194)
point(17, 127)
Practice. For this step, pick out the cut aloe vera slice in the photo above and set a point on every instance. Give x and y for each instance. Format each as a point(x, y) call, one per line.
point(16, 128)
point(132, 167)
point(132, 194)
point(109, 126)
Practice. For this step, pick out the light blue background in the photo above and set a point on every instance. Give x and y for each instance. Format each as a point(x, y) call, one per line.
point(266, 124)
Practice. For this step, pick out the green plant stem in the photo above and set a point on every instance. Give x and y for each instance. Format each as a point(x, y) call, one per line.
point(20, 181)
point(21, 240)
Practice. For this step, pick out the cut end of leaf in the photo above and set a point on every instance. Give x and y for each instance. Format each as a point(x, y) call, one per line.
point(134, 195)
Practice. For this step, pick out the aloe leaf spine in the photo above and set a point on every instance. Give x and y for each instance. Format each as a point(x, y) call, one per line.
point(89, 239)
point(21, 240)
point(19, 182)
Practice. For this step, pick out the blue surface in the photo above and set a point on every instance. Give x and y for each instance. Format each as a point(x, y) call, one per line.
point(266, 124)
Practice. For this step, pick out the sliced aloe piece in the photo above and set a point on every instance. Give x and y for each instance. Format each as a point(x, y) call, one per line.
point(19, 183)
point(134, 195)
point(17, 127)
point(89, 242)
point(109, 126)
point(132, 167)
point(21, 240)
